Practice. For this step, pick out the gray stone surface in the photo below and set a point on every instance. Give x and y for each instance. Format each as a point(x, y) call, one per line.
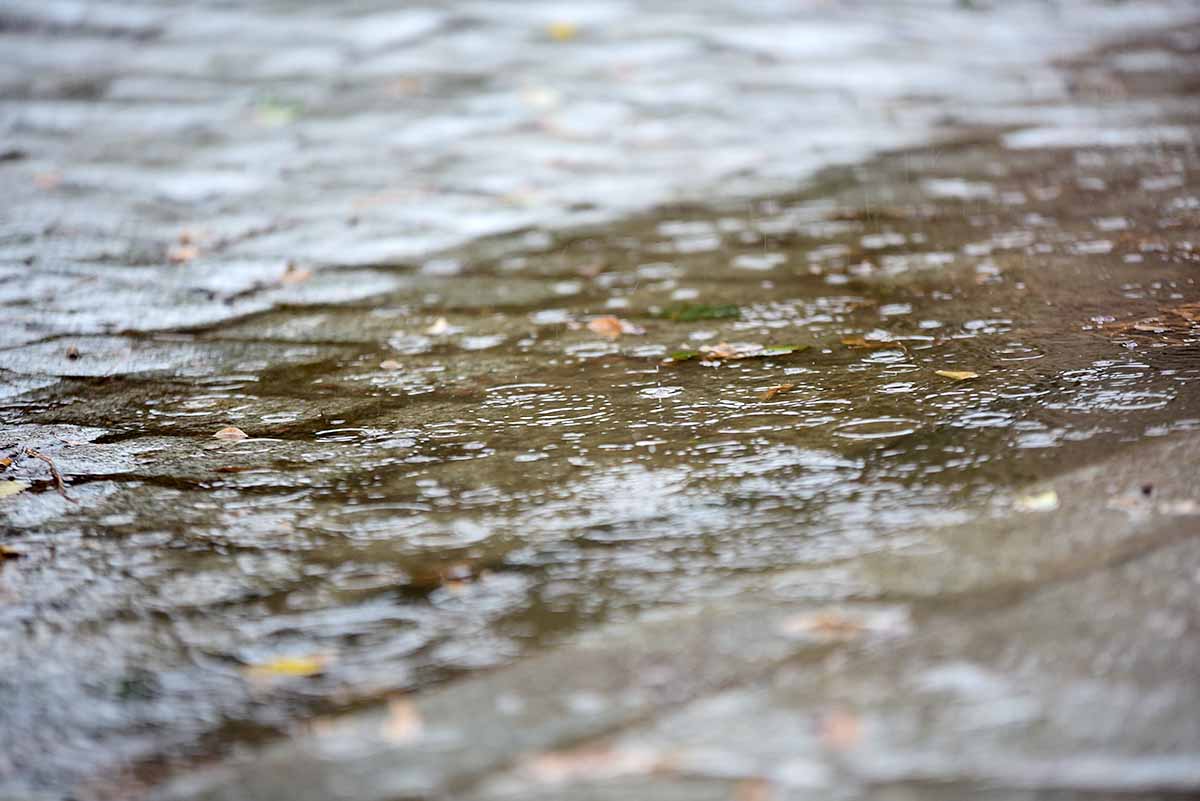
point(551, 563)
point(1076, 679)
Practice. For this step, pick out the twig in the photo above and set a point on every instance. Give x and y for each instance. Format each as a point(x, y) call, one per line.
point(58, 479)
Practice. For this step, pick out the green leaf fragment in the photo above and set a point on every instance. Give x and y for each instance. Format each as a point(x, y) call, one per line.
point(783, 350)
point(702, 311)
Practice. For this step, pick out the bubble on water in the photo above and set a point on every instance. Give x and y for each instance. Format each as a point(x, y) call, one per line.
point(876, 428)
point(661, 392)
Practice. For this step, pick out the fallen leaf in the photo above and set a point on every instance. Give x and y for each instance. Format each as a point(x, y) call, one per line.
point(872, 344)
point(753, 790)
point(5, 463)
point(289, 666)
point(1038, 502)
point(403, 723)
point(48, 180)
point(725, 351)
point(702, 311)
point(613, 327)
point(8, 488)
point(182, 253)
point(231, 434)
point(562, 31)
point(590, 764)
point(772, 392)
point(829, 625)
point(275, 112)
point(390, 364)
point(846, 624)
point(7, 553)
point(1175, 325)
point(294, 275)
point(841, 730)
point(232, 469)
point(957, 375)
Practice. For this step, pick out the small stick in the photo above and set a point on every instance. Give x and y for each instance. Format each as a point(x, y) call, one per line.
point(58, 479)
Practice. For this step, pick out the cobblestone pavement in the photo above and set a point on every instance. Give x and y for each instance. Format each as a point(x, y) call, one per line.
point(239, 139)
point(602, 436)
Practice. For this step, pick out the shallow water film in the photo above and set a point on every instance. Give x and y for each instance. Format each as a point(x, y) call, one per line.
point(804, 418)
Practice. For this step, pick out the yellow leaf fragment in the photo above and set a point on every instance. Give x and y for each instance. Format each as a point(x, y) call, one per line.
point(562, 31)
point(780, 389)
point(957, 375)
point(403, 723)
point(8, 488)
point(7, 553)
point(231, 434)
point(289, 666)
point(1038, 502)
point(5, 463)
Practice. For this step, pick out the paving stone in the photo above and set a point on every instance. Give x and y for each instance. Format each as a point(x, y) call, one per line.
point(119, 356)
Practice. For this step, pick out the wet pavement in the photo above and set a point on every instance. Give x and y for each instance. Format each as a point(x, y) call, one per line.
point(590, 440)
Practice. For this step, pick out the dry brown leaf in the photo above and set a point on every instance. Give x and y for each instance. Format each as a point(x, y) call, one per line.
point(5, 463)
point(723, 350)
point(584, 764)
point(182, 254)
point(841, 730)
point(7, 553)
point(294, 275)
point(829, 625)
point(871, 344)
point(753, 790)
point(613, 327)
point(231, 434)
point(403, 723)
point(772, 392)
point(957, 375)
point(1174, 325)
point(390, 364)
point(48, 180)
